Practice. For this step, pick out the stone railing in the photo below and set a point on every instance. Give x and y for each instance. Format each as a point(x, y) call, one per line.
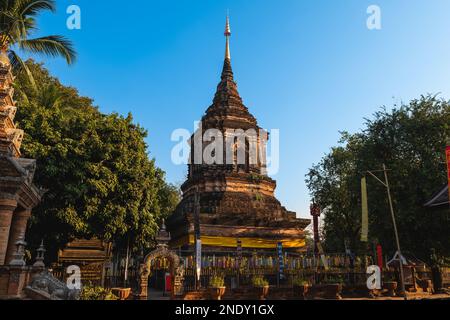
point(44, 286)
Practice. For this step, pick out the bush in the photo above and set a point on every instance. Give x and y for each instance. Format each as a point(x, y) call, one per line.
point(217, 281)
point(259, 281)
point(299, 281)
point(336, 279)
point(96, 293)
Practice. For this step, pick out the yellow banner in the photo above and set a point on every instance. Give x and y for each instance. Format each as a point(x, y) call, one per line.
point(322, 256)
point(365, 211)
point(230, 242)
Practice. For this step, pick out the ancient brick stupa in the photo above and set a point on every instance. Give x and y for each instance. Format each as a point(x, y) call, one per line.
point(229, 202)
point(18, 195)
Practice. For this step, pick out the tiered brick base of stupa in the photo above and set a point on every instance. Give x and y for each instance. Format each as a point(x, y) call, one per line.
point(224, 203)
point(234, 206)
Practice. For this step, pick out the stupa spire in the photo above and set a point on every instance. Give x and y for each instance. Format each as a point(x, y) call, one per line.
point(227, 36)
point(227, 72)
point(227, 97)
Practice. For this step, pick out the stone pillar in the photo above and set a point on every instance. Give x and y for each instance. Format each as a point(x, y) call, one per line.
point(17, 231)
point(7, 207)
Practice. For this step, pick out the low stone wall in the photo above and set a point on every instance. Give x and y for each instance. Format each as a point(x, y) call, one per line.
point(34, 294)
point(14, 279)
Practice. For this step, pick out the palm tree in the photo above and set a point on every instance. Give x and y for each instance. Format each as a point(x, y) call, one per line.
point(17, 23)
point(50, 96)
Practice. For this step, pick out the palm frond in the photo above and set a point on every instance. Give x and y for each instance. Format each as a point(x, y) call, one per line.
point(6, 4)
point(7, 20)
point(33, 7)
point(17, 22)
point(19, 66)
point(50, 96)
point(30, 25)
point(51, 46)
point(14, 27)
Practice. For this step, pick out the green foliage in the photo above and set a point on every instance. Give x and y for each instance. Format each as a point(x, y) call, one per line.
point(411, 141)
point(437, 260)
point(96, 293)
point(254, 177)
point(99, 179)
point(259, 281)
point(333, 279)
point(259, 197)
point(217, 281)
point(300, 281)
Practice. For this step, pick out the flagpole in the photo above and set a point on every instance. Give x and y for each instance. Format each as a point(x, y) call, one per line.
point(395, 231)
point(386, 184)
point(197, 239)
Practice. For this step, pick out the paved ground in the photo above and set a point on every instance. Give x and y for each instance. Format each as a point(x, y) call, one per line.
point(157, 295)
point(410, 297)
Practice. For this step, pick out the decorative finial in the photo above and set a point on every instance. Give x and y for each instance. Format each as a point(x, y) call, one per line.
point(40, 256)
point(227, 27)
point(163, 237)
point(227, 35)
point(18, 256)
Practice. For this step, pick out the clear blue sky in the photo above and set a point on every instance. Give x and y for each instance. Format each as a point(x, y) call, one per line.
point(310, 68)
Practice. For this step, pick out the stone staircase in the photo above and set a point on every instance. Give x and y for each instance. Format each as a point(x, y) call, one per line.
point(197, 295)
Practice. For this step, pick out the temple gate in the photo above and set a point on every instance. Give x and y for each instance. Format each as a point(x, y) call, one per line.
point(162, 251)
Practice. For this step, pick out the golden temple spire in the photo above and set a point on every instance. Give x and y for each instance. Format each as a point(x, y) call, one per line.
point(227, 35)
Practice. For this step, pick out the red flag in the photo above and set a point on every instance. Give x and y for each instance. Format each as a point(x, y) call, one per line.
point(168, 282)
point(380, 256)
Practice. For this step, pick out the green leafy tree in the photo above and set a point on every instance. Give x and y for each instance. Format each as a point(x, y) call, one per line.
point(411, 141)
point(17, 24)
point(99, 179)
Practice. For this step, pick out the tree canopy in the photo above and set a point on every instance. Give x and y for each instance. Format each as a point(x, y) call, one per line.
point(95, 167)
point(411, 141)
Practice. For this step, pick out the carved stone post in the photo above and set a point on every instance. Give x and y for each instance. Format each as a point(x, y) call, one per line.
point(7, 207)
point(144, 272)
point(18, 273)
point(19, 255)
point(17, 232)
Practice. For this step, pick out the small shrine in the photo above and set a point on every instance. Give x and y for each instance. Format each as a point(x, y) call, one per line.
point(92, 256)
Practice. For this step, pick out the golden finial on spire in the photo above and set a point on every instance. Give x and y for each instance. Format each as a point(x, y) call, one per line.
point(227, 35)
point(227, 27)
